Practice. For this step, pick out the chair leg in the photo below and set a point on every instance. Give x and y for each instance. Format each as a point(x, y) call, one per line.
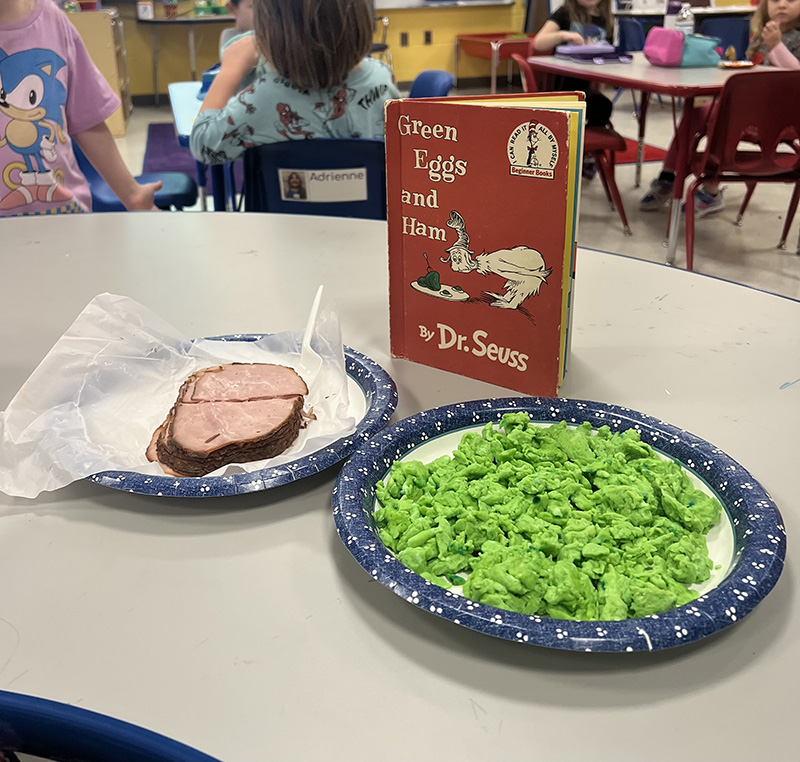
point(604, 180)
point(609, 182)
point(790, 215)
point(748, 194)
point(690, 223)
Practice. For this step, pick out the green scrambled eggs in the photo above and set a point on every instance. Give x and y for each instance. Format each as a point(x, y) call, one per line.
point(558, 522)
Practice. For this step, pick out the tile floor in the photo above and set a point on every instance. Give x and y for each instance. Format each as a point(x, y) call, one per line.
point(745, 254)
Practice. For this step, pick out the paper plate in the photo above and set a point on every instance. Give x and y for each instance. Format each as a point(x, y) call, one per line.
point(749, 542)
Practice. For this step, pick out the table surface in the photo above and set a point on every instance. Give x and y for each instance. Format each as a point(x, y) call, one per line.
point(386, 5)
point(639, 74)
point(191, 18)
point(185, 107)
point(722, 10)
point(242, 626)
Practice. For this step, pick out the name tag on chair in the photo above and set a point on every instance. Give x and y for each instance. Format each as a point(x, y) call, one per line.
point(323, 185)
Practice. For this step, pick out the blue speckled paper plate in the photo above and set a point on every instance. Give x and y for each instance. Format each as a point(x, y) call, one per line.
point(380, 396)
point(749, 543)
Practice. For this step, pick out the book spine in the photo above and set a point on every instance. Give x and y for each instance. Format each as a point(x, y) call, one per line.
point(397, 327)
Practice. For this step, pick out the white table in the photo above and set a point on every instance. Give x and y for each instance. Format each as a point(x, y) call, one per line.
point(242, 626)
point(722, 10)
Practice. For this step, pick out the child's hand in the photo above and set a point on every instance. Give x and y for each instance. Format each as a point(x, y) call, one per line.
point(143, 197)
point(572, 38)
point(771, 34)
point(241, 56)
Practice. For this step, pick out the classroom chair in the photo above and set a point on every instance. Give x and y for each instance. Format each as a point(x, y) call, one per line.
point(631, 40)
point(52, 730)
point(431, 83)
point(631, 35)
point(732, 31)
point(752, 109)
point(338, 177)
point(179, 189)
point(600, 142)
point(381, 49)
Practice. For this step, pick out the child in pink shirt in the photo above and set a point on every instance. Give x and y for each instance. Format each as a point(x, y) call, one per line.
point(51, 94)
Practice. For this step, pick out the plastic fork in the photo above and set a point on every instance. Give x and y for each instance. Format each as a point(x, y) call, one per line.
point(309, 358)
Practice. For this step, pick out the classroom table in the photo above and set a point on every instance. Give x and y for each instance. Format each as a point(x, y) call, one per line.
point(243, 627)
point(496, 47)
point(639, 74)
point(185, 107)
point(190, 21)
point(699, 13)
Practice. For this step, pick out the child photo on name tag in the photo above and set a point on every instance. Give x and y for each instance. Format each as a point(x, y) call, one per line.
point(293, 185)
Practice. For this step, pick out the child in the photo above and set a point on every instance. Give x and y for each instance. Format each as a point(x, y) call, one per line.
point(51, 94)
point(775, 28)
point(242, 11)
point(574, 23)
point(314, 80)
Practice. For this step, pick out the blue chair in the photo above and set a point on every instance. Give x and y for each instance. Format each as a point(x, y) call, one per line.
point(179, 189)
point(733, 31)
point(632, 36)
point(52, 730)
point(267, 170)
point(631, 39)
point(432, 83)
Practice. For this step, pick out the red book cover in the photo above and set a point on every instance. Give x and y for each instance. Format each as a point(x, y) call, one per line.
point(482, 207)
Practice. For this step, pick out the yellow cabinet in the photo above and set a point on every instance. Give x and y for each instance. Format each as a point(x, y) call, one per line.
point(101, 32)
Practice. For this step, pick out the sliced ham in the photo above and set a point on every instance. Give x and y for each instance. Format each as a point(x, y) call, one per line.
point(232, 413)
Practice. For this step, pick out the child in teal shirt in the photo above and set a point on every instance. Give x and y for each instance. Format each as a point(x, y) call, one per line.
point(313, 79)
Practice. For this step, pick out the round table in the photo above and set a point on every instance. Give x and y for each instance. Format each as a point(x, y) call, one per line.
point(242, 626)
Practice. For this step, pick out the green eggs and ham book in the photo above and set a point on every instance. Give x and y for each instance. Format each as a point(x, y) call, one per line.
point(482, 205)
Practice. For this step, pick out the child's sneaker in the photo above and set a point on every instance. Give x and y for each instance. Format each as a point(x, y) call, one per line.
point(589, 167)
point(706, 204)
point(657, 197)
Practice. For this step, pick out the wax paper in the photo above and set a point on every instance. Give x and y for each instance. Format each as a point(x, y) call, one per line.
point(95, 400)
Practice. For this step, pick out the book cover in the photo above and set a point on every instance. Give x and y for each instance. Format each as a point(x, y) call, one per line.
point(482, 200)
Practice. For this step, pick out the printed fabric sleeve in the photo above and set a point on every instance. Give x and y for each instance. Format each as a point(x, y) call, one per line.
point(222, 135)
point(781, 56)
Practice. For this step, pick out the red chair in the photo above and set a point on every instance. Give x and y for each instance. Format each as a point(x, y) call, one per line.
point(753, 108)
point(600, 142)
point(793, 202)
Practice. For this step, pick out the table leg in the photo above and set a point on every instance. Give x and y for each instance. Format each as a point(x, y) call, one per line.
point(154, 27)
point(495, 65)
point(642, 118)
point(192, 53)
point(683, 136)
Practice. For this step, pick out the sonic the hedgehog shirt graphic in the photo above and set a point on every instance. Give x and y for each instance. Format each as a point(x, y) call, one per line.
point(49, 91)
